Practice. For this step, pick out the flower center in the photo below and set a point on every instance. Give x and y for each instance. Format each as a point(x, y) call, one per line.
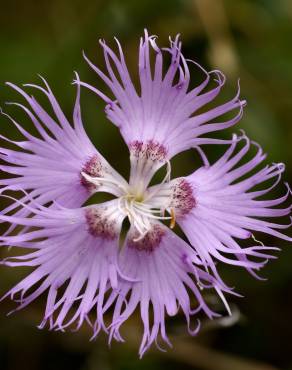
point(141, 213)
point(143, 205)
point(135, 201)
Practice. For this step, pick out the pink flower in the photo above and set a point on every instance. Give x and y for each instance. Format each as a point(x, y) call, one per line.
point(76, 252)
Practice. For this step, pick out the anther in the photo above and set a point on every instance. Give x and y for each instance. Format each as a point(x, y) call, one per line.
point(172, 221)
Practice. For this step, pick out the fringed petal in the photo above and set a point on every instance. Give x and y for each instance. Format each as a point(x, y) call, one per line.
point(164, 110)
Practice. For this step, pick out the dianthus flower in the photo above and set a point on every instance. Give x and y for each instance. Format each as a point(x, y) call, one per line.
point(76, 249)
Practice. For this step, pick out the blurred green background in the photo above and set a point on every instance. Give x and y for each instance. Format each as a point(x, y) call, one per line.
point(250, 39)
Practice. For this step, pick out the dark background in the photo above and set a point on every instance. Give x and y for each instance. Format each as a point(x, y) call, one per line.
point(250, 39)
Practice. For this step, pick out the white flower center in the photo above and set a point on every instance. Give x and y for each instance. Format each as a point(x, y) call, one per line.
point(140, 214)
point(139, 204)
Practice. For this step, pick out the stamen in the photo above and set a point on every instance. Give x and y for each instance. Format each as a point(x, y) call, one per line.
point(150, 215)
point(133, 198)
point(99, 181)
point(172, 222)
point(143, 207)
point(139, 214)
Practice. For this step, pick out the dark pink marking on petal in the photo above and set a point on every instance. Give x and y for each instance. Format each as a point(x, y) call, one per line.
point(182, 197)
point(150, 242)
point(150, 149)
point(93, 168)
point(99, 225)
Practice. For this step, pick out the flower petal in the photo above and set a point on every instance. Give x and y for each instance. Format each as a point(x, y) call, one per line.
point(164, 266)
point(51, 165)
point(226, 209)
point(164, 112)
point(79, 252)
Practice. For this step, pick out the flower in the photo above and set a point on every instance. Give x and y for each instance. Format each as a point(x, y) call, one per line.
point(79, 254)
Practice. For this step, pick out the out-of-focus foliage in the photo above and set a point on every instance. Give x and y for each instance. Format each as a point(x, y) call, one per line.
point(250, 39)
